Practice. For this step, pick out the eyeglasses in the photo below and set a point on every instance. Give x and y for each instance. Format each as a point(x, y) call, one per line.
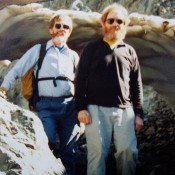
point(58, 26)
point(111, 21)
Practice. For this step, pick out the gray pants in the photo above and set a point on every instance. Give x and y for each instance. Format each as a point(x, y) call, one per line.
point(105, 122)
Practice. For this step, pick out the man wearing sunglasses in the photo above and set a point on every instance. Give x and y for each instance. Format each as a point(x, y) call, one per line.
point(56, 107)
point(109, 95)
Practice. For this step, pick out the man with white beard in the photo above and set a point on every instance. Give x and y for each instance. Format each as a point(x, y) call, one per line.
point(56, 107)
point(109, 95)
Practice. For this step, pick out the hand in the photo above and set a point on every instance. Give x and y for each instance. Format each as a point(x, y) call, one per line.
point(138, 123)
point(3, 92)
point(84, 117)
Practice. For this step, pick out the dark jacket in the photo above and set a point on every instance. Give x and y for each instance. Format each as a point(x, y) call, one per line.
point(109, 78)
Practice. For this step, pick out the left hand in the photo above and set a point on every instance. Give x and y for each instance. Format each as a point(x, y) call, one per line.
point(138, 123)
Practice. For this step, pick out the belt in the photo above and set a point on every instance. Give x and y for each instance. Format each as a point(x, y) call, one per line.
point(48, 98)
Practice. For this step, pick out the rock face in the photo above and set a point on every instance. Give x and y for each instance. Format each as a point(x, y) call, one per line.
point(163, 8)
point(156, 141)
point(23, 144)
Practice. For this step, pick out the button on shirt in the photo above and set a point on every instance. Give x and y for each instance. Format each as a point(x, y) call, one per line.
point(57, 62)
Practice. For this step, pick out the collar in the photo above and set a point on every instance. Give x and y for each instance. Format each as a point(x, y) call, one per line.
point(51, 44)
point(112, 45)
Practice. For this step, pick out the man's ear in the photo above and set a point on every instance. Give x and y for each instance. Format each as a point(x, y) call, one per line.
point(51, 31)
point(102, 24)
point(69, 33)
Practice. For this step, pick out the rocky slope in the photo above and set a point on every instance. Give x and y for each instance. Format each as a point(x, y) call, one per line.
point(23, 144)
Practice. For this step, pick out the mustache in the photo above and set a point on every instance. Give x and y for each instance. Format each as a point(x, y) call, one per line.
point(59, 33)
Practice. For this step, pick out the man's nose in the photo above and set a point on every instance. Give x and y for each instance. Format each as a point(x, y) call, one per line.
point(116, 26)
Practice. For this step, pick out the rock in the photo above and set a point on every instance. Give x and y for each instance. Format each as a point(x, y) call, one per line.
point(163, 8)
point(156, 140)
point(23, 144)
point(150, 131)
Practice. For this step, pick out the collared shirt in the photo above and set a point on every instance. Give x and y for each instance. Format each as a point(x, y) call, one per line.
point(56, 63)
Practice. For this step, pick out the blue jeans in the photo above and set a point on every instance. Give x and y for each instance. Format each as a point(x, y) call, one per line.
point(59, 119)
point(108, 122)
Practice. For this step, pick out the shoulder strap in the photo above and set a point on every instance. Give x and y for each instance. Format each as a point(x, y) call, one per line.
point(42, 55)
point(41, 58)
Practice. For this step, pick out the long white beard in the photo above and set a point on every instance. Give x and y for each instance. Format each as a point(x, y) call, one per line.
point(60, 39)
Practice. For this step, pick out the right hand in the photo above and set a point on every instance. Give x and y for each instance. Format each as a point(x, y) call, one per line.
point(3, 92)
point(84, 117)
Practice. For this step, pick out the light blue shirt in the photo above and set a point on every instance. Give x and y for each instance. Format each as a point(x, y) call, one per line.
point(56, 63)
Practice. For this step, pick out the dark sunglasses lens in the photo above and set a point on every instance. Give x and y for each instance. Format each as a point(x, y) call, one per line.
point(65, 26)
point(119, 21)
point(57, 26)
point(110, 21)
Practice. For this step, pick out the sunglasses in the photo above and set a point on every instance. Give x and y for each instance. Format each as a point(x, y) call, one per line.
point(111, 21)
point(58, 26)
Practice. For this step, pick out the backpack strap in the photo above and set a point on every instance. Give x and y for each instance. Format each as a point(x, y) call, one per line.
point(41, 58)
point(35, 97)
point(54, 79)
